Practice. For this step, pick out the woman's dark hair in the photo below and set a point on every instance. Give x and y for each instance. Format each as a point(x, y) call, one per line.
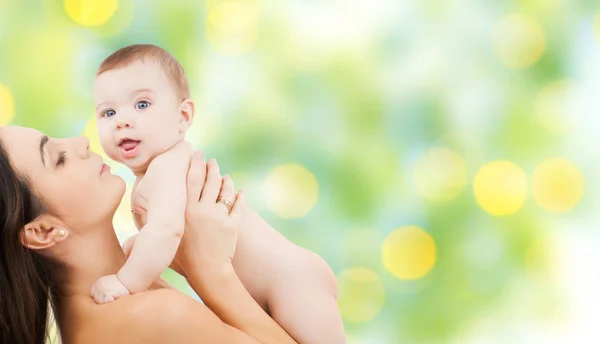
point(26, 277)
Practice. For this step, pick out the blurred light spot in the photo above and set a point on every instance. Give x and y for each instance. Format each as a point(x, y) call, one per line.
point(91, 12)
point(518, 41)
point(7, 105)
point(291, 191)
point(361, 294)
point(556, 106)
point(123, 219)
point(440, 174)
point(232, 26)
point(597, 27)
point(91, 132)
point(409, 252)
point(500, 188)
point(557, 185)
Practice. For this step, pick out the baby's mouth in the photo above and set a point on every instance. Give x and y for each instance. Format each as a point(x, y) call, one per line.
point(129, 145)
point(129, 148)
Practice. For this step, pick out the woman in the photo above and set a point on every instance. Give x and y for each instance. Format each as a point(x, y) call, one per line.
point(57, 201)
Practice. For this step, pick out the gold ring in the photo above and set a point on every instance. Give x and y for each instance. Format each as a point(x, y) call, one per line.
point(225, 202)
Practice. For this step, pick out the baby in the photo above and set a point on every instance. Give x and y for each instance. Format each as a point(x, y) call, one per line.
point(143, 110)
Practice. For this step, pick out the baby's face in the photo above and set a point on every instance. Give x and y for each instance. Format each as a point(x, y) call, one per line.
point(137, 113)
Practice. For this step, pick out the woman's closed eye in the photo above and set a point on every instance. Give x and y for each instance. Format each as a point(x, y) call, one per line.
point(62, 158)
point(142, 104)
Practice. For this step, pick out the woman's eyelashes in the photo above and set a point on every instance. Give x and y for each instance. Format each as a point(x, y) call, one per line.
point(62, 158)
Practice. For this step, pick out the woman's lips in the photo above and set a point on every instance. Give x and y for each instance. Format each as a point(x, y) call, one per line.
point(129, 148)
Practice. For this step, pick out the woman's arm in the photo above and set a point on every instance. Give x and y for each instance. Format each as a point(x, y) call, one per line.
point(206, 253)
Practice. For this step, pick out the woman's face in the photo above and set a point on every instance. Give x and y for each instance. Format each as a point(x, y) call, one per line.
point(71, 180)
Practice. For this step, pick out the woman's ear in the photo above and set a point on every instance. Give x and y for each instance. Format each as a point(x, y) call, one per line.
point(43, 232)
point(186, 113)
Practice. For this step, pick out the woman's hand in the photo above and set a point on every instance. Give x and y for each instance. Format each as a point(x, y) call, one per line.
point(210, 235)
point(212, 218)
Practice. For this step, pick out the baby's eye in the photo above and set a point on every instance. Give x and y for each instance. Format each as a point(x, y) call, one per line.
point(109, 113)
point(142, 104)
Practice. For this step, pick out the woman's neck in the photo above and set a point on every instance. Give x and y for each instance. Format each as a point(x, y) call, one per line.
point(87, 257)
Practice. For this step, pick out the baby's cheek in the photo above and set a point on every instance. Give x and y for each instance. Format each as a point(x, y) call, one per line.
point(112, 154)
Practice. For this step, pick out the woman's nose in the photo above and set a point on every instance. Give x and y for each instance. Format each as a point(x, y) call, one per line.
point(83, 146)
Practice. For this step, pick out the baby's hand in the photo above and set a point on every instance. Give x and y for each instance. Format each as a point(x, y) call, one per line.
point(108, 288)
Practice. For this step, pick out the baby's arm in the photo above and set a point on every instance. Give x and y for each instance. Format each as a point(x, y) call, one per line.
point(164, 189)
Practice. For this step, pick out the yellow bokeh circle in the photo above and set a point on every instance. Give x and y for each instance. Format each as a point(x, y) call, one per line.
point(91, 132)
point(409, 253)
point(518, 41)
point(232, 26)
point(596, 27)
point(440, 174)
point(291, 191)
point(361, 294)
point(7, 105)
point(557, 185)
point(123, 219)
point(500, 188)
point(91, 12)
point(555, 105)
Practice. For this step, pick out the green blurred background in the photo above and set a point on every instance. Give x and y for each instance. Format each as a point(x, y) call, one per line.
point(438, 154)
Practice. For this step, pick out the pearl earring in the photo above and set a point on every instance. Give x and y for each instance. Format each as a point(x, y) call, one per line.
point(61, 232)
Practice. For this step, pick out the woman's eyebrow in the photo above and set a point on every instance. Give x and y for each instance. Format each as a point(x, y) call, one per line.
point(43, 142)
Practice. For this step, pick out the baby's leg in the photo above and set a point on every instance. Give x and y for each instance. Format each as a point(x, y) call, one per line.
point(303, 301)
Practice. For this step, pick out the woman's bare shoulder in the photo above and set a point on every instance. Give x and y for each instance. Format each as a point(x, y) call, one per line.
point(161, 316)
point(148, 317)
point(157, 306)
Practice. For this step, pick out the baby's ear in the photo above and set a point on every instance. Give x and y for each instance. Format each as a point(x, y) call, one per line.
point(186, 113)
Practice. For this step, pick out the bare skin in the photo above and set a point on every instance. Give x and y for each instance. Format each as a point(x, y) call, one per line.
point(294, 285)
point(83, 239)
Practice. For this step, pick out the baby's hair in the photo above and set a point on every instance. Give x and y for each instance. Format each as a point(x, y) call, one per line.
point(138, 52)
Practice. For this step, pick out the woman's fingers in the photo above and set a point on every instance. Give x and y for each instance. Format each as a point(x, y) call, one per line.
point(196, 177)
point(238, 206)
point(227, 192)
point(213, 183)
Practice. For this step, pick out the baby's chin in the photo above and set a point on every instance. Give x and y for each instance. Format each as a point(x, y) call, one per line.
point(137, 164)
